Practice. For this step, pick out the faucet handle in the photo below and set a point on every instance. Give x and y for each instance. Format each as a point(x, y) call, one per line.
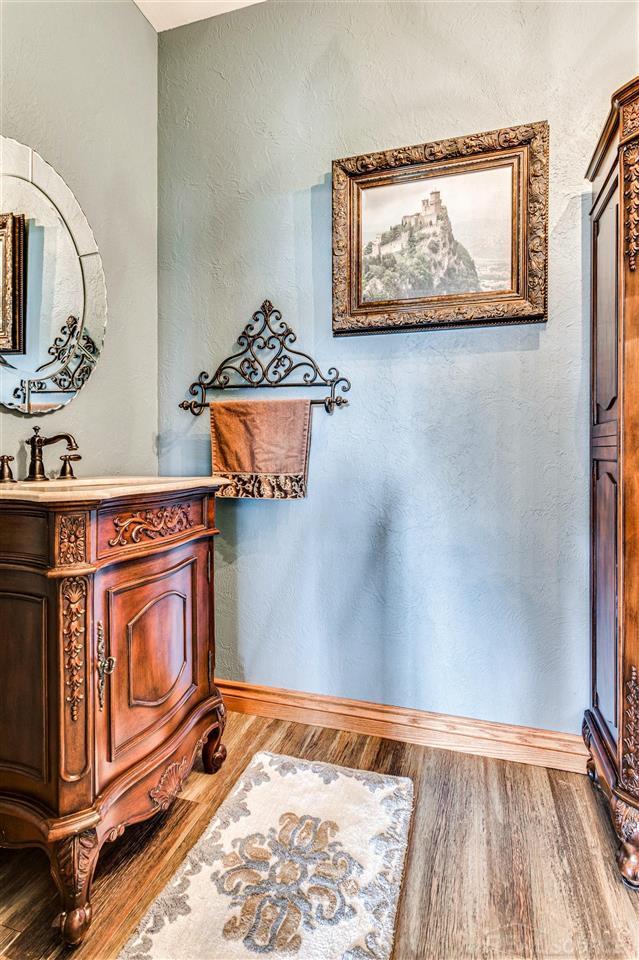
point(66, 473)
point(6, 476)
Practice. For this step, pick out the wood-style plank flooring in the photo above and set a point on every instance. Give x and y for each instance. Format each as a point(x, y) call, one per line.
point(505, 860)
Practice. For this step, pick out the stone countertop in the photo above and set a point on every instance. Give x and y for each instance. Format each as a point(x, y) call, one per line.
point(96, 489)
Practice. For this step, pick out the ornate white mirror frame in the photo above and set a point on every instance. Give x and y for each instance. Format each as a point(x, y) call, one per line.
point(71, 314)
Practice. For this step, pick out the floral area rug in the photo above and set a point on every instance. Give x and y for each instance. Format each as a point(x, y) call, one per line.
point(302, 860)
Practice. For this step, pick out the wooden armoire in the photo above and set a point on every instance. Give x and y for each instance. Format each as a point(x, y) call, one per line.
point(611, 725)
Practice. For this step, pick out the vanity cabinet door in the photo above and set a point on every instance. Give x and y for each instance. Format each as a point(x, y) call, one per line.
point(27, 703)
point(153, 621)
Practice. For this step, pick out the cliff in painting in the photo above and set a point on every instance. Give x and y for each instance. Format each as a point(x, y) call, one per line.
point(418, 257)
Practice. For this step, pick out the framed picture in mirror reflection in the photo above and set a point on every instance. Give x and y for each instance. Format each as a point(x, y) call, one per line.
point(12, 287)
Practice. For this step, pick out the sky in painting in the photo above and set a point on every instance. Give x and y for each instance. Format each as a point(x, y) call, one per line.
point(483, 196)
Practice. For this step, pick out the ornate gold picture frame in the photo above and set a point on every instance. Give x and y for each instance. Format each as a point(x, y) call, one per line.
point(12, 287)
point(445, 234)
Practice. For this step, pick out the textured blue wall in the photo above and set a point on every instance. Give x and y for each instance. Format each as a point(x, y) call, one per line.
point(78, 83)
point(441, 558)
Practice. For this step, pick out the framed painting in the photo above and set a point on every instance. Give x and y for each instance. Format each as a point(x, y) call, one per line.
point(12, 287)
point(445, 234)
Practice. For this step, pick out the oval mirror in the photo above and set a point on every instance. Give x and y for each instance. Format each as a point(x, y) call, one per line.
point(52, 292)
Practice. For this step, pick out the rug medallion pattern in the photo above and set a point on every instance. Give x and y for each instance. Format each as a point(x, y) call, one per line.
point(301, 860)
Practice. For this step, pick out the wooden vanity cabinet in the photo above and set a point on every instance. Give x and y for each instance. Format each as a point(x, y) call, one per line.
point(107, 653)
point(611, 725)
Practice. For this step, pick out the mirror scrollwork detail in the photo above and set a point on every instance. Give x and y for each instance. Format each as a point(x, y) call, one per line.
point(54, 294)
point(74, 355)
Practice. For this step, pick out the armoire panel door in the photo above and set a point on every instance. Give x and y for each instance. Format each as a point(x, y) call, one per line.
point(605, 453)
point(157, 632)
point(605, 385)
point(605, 505)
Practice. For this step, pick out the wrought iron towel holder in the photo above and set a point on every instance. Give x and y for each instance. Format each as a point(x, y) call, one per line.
point(267, 359)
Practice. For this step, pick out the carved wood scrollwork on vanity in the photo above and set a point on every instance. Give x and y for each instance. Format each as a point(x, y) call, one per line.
point(172, 780)
point(73, 861)
point(170, 784)
point(72, 539)
point(74, 621)
point(115, 833)
point(159, 522)
point(75, 857)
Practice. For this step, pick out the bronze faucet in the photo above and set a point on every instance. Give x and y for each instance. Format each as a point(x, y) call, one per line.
point(6, 476)
point(36, 442)
point(66, 473)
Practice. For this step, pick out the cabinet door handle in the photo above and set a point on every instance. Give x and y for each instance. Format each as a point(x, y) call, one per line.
point(105, 665)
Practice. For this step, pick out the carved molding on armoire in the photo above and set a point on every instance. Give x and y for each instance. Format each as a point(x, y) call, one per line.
point(611, 725)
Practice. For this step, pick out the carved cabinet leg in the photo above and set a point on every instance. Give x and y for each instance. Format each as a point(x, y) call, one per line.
point(73, 861)
point(626, 821)
point(214, 751)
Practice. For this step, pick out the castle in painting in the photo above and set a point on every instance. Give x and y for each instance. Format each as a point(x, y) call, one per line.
point(418, 257)
point(396, 238)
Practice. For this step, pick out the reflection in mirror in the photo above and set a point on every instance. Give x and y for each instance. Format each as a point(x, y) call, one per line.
point(53, 306)
point(12, 292)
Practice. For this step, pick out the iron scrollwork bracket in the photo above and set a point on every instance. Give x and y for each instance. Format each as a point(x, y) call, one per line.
point(267, 359)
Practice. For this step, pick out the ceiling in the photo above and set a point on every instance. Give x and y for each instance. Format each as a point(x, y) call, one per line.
point(166, 14)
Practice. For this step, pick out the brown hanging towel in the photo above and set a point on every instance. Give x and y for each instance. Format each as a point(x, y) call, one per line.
point(261, 447)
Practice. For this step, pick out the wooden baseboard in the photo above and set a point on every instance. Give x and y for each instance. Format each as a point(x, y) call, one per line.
point(544, 748)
